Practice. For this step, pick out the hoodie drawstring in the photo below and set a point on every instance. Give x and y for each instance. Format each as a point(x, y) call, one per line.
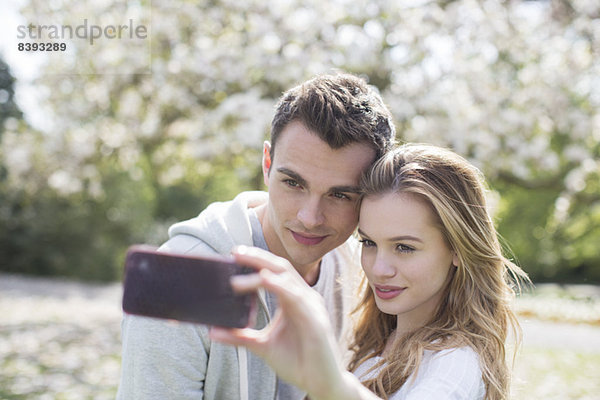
point(243, 368)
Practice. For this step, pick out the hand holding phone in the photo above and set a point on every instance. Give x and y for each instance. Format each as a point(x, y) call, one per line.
point(185, 288)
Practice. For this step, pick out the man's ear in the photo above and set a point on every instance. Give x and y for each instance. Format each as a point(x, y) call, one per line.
point(266, 162)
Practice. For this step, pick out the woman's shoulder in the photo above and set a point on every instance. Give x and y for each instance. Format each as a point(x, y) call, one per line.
point(368, 368)
point(459, 363)
point(452, 373)
point(464, 355)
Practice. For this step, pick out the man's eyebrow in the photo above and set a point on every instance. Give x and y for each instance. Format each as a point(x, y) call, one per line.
point(292, 174)
point(346, 189)
point(301, 181)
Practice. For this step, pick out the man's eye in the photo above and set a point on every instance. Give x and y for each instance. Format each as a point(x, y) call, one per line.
point(341, 196)
point(291, 183)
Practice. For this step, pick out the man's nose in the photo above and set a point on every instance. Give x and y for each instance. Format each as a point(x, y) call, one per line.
point(311, 213)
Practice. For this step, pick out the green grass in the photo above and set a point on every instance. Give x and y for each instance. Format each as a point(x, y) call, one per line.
point(556, 374)
point(559, 373)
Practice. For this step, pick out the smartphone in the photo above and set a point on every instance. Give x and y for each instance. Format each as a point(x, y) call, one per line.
point(185, 288)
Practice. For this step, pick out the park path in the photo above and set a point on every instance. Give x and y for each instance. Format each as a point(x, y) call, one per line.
point(31, 296)
point(58, 339)
point(578, 337)
point(63, 337)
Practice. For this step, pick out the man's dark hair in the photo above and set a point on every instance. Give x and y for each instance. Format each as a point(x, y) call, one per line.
point(340, 109)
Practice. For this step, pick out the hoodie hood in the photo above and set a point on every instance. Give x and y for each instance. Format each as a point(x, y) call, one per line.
point(223, 225)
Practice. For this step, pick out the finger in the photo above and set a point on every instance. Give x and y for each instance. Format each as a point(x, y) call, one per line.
point(260, 259)
point(279, 284)
point(246, 283)
point(289, 290)
point(254, 340)
point(235, 337)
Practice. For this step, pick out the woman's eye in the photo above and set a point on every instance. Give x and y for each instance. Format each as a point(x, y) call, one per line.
point(404, 248)
point(367, 243)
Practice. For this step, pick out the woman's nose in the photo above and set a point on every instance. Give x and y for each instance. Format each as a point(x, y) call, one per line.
point(382, 267)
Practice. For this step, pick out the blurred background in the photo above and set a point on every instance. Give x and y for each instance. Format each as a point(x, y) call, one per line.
point(97, 154)
point(105, 160)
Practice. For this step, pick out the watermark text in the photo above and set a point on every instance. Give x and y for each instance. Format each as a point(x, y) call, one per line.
point(90, 32)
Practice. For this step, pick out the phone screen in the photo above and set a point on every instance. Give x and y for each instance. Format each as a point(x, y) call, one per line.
point(184, 288)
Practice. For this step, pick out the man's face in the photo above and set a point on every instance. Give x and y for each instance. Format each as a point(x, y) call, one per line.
point(313, 195)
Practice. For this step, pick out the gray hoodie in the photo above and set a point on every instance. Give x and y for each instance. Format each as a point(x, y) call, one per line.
point(167, 360)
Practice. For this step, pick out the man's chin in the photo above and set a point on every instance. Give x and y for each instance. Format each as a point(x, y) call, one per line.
point(304, 260)
point(307, 255)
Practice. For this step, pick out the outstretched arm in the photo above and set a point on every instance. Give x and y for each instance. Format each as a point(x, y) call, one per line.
point(299, 343)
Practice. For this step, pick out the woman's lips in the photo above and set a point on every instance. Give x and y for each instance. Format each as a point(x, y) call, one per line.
point(388, 292)
point(307, 240)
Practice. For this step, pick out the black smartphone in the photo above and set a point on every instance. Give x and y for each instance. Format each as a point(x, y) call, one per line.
point(184, 288)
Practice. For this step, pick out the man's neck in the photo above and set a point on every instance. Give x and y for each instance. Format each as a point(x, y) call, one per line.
point(312, 275)
point(309, 272)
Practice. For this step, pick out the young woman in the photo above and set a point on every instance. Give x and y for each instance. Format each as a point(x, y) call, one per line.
point(435, 313)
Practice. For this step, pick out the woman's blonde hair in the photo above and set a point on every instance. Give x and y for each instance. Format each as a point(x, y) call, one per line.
point(475, 310)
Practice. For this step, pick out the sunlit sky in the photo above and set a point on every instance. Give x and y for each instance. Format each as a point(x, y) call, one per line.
point(24, 67)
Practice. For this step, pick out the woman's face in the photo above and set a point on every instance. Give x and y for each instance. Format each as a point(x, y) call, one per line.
point(404, 255)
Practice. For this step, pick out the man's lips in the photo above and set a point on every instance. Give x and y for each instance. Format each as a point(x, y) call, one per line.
point(386, 292)
point(306, 239)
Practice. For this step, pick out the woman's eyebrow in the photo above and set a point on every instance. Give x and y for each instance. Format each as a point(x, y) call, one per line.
point(405, 237)
point(396, 238)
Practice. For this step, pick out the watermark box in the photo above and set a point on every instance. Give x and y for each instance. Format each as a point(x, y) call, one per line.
point(93, 37)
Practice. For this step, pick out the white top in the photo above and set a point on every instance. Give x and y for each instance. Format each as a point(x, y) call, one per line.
point(451, 374)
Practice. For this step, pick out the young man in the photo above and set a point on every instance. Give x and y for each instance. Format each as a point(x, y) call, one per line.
point(324, 134)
